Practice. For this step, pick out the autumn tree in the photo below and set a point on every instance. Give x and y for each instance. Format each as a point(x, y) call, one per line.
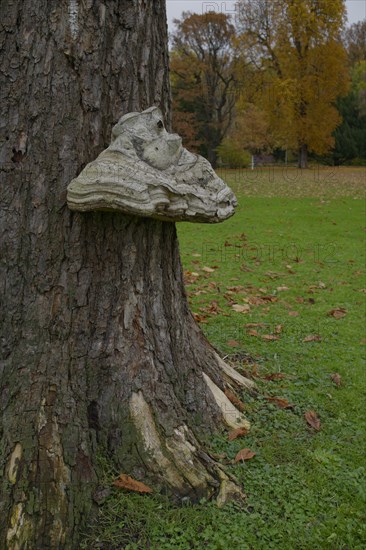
point(296, 50)
point(350, 136)
point(100, 354)
point(355, 42)
point(203, 79)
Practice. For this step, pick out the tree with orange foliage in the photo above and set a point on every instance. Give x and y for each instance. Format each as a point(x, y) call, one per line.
point(203, 65)
point(301, 63)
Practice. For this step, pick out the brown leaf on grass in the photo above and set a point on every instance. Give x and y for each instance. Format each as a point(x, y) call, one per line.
point(336, 378)
point(337, 313)
point(235, 289)
point(229, 299)
point(300, 300)
point(278, 329)
point(313, 338)
point(126, 482)
point(199, 318)
point(253, 332)
point(275, 376)
point(270, 337)
point(253, 325)
point(190, 277)
point(208, 269)
point(214, 308)
point(261, 300)
point(282, 288)
point(244, 267)
point(244, 454)
point(232, 343)
point(281, 402)
point(293, 313)
point(239, 432)
point(245, 308)
point(312, 419)
point(235, 400)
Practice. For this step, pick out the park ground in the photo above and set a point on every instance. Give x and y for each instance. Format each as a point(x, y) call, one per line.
point(279, 290)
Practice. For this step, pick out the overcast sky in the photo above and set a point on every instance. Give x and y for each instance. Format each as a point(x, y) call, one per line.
point(356, 8)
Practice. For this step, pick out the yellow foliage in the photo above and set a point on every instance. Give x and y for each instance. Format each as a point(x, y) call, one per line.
point(301, 65)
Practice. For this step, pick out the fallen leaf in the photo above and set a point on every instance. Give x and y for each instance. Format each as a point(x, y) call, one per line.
point(270, 337)
point(278, 329)
point(190, 277)
point(312, 419)
point(126, 482)
point(312, 338)
point(214, 307)
point(293, 313)
point(275, 376)
point(233, 343)
point(235, 289)
point(208, 269)
point(281, 288)
point(229, 299)
point(280, 402)
point(337, 313)
point(200, 318)
point(300, 300)
point(243, 267)
point(269, 298)
point(253, 332)
point(235, 400)
point(257, 300)
point(244, 454)
point(336, 378)
point(241, 308)
point(253, 325)
point(239, 432)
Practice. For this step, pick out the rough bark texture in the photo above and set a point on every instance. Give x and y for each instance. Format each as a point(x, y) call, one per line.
point(95, 328)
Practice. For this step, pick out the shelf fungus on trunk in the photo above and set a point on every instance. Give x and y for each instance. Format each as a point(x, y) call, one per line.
point(146, 172)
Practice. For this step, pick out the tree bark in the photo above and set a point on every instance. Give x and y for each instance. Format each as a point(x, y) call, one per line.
point(99, 352)
point(303, 156)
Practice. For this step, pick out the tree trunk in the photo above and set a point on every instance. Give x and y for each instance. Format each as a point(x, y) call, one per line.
point(99, 352)
point(303, 156)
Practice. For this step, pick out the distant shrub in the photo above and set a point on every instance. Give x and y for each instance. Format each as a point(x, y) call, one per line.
point(231, 155)
point(358, 162)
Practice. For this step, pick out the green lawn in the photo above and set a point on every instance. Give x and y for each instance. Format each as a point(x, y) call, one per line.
point(293, 252)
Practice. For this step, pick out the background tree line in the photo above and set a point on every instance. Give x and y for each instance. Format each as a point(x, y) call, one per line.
point(286, 78)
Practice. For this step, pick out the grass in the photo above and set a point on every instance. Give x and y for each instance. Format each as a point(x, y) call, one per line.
point(299, 242)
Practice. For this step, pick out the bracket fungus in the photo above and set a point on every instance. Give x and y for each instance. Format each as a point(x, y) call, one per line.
point(147, 172)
